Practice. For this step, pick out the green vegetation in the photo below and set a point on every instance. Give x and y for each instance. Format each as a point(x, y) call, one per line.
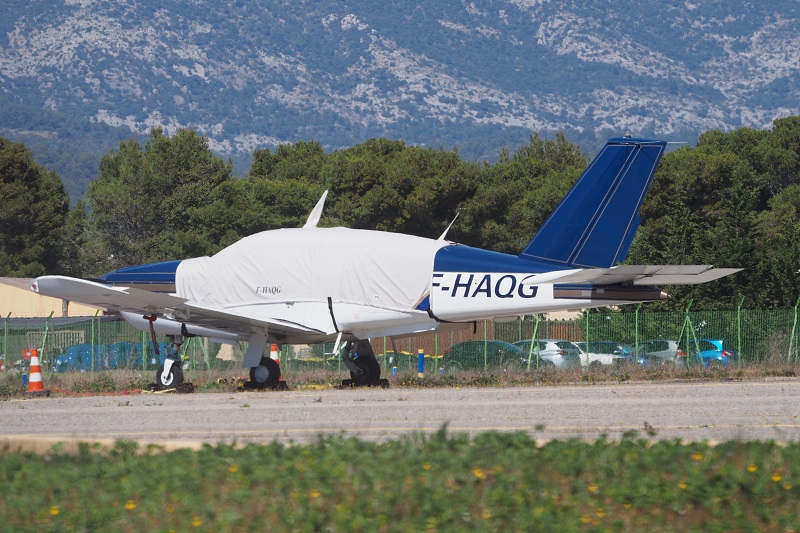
point(301, 377)
point(732, 201)
point(33, 215)
point(441, 482)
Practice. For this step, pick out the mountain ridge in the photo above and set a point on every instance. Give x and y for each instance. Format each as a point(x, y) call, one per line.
point(258, 74)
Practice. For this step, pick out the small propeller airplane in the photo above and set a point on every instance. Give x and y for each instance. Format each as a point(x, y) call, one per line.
point(278, 286)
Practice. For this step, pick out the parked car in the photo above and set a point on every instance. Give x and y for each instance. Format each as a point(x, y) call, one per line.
point(605, 353)
point(712, 352)
point(708, 352)
point(552, 352)
point(660, 352)
point(470, 355)
point(17, 366)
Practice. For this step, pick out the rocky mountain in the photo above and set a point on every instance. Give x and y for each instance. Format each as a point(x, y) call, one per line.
point(476, 75)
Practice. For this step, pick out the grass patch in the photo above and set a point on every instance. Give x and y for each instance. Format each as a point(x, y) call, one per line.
point(441, 482)
point(224, 380)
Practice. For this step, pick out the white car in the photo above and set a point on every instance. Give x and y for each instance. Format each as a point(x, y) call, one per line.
point(552, 352)
point(605, 353)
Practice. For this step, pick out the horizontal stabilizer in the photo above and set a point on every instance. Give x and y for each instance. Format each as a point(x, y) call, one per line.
point(642, 275)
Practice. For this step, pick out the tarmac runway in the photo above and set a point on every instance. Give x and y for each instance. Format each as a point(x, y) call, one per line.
point(762, 410)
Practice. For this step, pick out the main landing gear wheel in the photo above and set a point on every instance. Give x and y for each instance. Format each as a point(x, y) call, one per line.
point(172, 380)
point(370, 370)
point(266, 374)
point(364, 367)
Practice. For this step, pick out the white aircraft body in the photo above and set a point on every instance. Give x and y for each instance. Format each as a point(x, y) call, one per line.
point(310, 284)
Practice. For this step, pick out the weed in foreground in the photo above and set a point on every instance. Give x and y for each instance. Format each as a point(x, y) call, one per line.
point(443, 482)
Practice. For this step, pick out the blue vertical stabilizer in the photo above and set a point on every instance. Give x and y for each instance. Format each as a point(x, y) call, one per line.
point(595, 223)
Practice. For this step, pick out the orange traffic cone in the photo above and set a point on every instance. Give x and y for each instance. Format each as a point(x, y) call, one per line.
point(273, 354)
point(35, 384)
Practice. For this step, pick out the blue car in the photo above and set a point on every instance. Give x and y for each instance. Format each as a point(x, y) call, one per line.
point(712, 352)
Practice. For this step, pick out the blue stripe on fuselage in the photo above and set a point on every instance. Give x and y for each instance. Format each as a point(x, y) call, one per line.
point(161, 275)
point(459, 258)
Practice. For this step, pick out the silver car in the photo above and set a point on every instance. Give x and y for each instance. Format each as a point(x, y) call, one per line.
point(557, 353)
point(660, 352)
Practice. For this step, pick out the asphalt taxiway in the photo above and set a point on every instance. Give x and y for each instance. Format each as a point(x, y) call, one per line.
point(751, 410)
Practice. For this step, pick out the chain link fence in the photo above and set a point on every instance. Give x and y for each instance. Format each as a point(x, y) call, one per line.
point(93, 344)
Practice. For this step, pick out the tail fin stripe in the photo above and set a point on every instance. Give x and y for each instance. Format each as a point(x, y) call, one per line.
point(594, 224)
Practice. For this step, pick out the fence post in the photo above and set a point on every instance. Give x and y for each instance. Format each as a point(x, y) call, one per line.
point(5, 343)
point(533, 340)
point(144, 351)
point(694, 335)
point(739, 332)
point(793, 338)
point(485, 347)
point(636, 333)
point(687, 325)
point(436, 352)
point(44, 339)
point(91, 347)
point(586, 335)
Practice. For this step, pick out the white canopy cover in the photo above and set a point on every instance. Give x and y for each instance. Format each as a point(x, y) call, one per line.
point(312, 264)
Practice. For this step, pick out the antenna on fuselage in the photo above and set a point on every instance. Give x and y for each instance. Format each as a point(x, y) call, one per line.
point(316, 213)
point(441, 238)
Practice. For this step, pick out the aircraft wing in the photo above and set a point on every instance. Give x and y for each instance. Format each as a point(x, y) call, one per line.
point(645, 275)
point(104, 296)
point(173, 307)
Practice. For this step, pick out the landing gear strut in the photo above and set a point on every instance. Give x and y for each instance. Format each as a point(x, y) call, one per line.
point(364, 367)
point(169, 374)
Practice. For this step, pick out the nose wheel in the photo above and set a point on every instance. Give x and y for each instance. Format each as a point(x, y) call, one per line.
point(169, 375)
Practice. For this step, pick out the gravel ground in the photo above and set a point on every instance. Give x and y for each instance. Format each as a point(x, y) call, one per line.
point(763, 410)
